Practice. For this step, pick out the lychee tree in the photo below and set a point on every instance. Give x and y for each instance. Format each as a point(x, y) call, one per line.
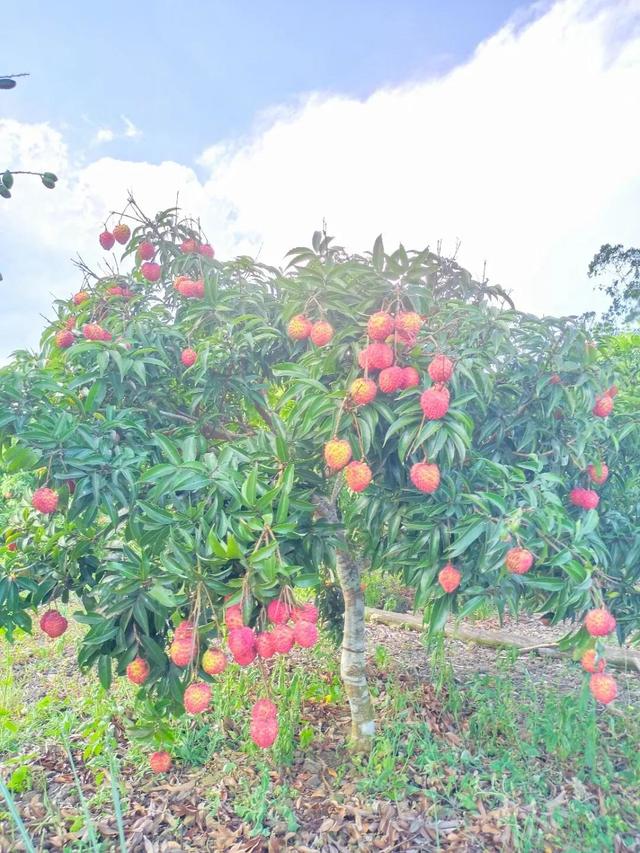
point(209, 438)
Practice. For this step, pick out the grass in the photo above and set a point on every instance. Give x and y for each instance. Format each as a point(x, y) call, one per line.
point(542, 765)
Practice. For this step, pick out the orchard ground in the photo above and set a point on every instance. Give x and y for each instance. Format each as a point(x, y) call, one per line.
point(476, 750)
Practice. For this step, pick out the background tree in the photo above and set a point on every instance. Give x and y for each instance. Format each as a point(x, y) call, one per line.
point(620, 267)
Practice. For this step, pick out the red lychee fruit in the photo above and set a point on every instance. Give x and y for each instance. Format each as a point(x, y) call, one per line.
point(435, 402)
point(138, 671)
point(107, 240)
point(589, 664)
point(12, 546)
point(246, 657)
point(363, 391)
point(188, 246)
point(94, 332)
point(425, 476)
point(115, 291)
point(278, 612)
point(410, 377)
point(440, 368)
point(612, 392)
point(160, 762)
point(214, 661)
point(380, 326)
point(555, 379)
point(408, 323)
point(188, 357)
point(337, 452)
point(598, 473)
point(197, 697)
point(603, 406)
point(64, 339)
point(603, 688)
point(358, 476)
point(45, 500)
point(305, 634)
point(53, 623)
point(185, 630)
point(241, 640)
point(70, 323)
point(263, 709)
point(307, 612)
point(283, 638)
point(233, 617)
point(299, 328)
point(321, 333)
point(146, 250)
point(264, 732)
point(391, 379)
point(584, 498)
point(449, 578)
point(265, 646)
point(188, 288)
point(376, 357)
point(151, 270)
point(182, 652)
point(599, 622)
point(80, 297)
point(122, 233)
point(206, 250)
point(518, 561)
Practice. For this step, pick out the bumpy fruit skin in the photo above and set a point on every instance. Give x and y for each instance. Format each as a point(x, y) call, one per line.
point(64, 339)
point(138, 671)
point(518, 561)
point(233, 617)
point(214, 661)
point(391, 379)
point(107, 240)
point(555, 379)
point(115, 291)
point(358, 476)
point(321, 333)
point(182, 652)
point(246, 657)
point(160, 762)
point(278, 612)
point(283, 638)
point(12, 546)
point(599, 622)
point(307, 613)
point(265, 646)
point(188, 246)
point(151, 270)
point(207, 251)
point(434, 402)
point(189, 288)
point(263, 709)
point(188, 357)
point(598, 474)
point(122, 233)
point(146, 250)
point(584, 498)
point(241, 641)
point(53, 623)
point(380, 326)
point(305, 634)
point(70, 323)
point(363, 391)
point(80, 297)
point(299, 328)
point(45, 500)
point(95, 332)
point(440, 368)
point(197, 697)
point(376, 357)
point(588, 662)
point(603, 406)
point(425, 476)
point(603, 688)
point(185, 630)
point(264, 732)
point(449, 578)
point(409, 323)
point(410, 377)
point(337, 452)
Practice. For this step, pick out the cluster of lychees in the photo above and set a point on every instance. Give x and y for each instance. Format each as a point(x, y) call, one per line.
point(599, 623)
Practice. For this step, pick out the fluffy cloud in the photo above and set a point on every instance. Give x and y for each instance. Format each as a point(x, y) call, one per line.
point(524, 154)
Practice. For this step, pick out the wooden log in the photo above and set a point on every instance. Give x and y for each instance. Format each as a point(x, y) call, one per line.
point(616, 656)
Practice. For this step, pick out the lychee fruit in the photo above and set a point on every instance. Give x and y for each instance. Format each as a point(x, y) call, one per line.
point(122, 233)
point(12, 546)
point(598, 473)
point(321, 333)
point(95, 332)
point(45, 500)
point(265, 646)
point(307, 612)
point(603, 406)
point(263, 709)
point(70, 323)
point(425, 476)
point(151, 270)
point(197, 697)
point(380, 325)
point(146, 250)
point(264, 732)
point(182, 652)
point(246, 657)
point(409, 323)
point(233, 617)
point(138, 671)
point(449, 578)
point(358, 476)
point(376, 357)
point(584, 498)
point(241, 640)
point(185, 630)
point(440, 368)
point(299, 327)
point(188, 246)
point(53, 623)
point(599, 622)
point(107, 240)
point(188, 288)
point(188, 357)
point(337, 452)
point(283, 638)
point(206, 250)
point(612, 392)
point(115, 291)
point(214, 661)
point(555, 379)
point(410, 377)
point(435, 402)
point(160, 762)
point(80, 297)
point(363, 391)
point(589, 664)
point(518, 561)
point(278, 612)
point(64, 339)
point(391, 379)
point(305, 634)
point(603, 687)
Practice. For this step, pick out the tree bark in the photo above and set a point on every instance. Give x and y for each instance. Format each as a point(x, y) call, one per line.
point(353, 660)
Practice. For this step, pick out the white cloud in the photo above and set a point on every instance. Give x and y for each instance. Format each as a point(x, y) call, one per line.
point(130, 130)
point(104, 134)
point(527, 153)
point(107, 134)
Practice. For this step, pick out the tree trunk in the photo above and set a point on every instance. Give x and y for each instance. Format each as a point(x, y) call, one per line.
point(353, 661)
